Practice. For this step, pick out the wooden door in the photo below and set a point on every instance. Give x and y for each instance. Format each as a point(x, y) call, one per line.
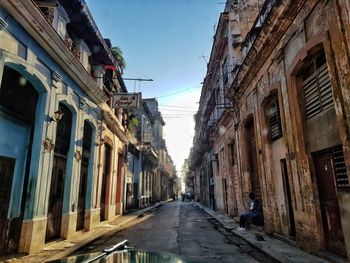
point(225, 195)
point(82, 194)
point(105, 175)
point(253, 161)
point(7, 166)
point(84, 171)
point(54, 214)
point(329, 203)
point(288, 198)
point(119, 182)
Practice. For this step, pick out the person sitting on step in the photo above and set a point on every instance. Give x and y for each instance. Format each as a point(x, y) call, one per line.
point(252, 213)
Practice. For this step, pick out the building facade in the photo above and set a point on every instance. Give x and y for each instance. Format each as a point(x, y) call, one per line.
point(62, 146)
point(284, 133)
point(163, 180)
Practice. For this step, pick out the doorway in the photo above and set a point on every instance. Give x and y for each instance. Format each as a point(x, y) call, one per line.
point(288, 198)
point(253, 160)
point(62, 145)
point(225, 195)
point(325, 164)
point(105, 175)
point(7, 166)
point(84, 171)
point(18, 103)
point(119, 183)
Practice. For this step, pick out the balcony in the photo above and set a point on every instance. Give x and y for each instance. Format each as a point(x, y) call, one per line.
point(146, 137)
point(150, 152)
point(167, 169)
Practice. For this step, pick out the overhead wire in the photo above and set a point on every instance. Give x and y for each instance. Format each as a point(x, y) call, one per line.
point(180, 91)
point(177, 106)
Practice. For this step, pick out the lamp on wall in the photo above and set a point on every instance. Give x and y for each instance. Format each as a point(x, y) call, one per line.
point(57, 116)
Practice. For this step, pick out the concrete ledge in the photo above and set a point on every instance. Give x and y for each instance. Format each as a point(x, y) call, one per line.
point(275, 249)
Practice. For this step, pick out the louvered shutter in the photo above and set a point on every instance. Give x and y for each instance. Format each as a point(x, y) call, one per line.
point(274, 120)
point(341, 176)
point(317, 92)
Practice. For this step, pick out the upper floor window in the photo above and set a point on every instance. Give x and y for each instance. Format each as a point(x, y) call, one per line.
point(60, 21)
point(83, 53)
point(317, 88)
point(272, 113)
point(225, 72)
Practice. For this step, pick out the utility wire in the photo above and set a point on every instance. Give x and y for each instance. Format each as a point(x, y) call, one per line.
point(179, 106)
point(180, 91)
point(175, 110)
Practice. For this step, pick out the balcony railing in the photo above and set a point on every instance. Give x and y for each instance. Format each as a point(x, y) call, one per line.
point(146, 137)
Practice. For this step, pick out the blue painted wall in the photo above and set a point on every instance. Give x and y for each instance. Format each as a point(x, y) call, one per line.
point(14, 138)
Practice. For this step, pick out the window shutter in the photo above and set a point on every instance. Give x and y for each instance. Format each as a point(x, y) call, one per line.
point(341, 177)
point(317, 92)
point(273, 115)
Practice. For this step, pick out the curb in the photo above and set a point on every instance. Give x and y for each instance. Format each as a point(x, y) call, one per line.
point(231, 230)
point(119, 227)
point(266, 250)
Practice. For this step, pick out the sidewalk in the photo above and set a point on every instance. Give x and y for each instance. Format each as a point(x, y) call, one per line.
point(63, 248)
point(276, 249)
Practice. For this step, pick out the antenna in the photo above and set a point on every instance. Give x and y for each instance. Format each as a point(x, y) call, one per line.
point(204, 57)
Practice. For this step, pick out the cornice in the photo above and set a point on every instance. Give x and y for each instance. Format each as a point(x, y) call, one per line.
point(31, 19)
point(278, 22)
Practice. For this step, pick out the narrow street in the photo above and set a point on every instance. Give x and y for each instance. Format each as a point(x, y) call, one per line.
point(183, 229)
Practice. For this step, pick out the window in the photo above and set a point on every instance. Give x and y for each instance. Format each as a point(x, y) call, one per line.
point(61, 27)
point(316, 87)
point(272, 113)
point(83, 53)
point(232, 152)
point(341, 177)
point(222, 158)
point(225, 72)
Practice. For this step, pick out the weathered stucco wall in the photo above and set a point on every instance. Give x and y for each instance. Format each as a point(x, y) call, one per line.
point(309, 27)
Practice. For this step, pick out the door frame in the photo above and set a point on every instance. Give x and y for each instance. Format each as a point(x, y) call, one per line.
point(328, 152)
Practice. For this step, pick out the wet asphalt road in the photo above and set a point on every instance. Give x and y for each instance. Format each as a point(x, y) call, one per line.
point(183, 229)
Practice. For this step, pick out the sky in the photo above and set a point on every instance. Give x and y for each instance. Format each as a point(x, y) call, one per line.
point(168, 41)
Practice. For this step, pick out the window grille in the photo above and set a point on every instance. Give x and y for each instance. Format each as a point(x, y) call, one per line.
point(274, 120)
point(317, 88)
point(340, 171)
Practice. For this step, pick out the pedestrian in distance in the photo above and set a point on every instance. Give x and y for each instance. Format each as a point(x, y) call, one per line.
point(253, 212)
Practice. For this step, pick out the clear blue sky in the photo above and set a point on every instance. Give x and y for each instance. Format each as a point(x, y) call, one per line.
point(163, 40)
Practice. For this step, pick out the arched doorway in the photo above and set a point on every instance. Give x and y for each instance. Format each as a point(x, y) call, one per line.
point(253, 159)
point(322, 141)
point(252, 162)
point(62, 145)
point(84, 171)
point(18, 102)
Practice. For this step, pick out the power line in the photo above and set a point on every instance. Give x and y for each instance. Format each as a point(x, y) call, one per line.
point(179, 106)
point(176, 110)
point(180, 91)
